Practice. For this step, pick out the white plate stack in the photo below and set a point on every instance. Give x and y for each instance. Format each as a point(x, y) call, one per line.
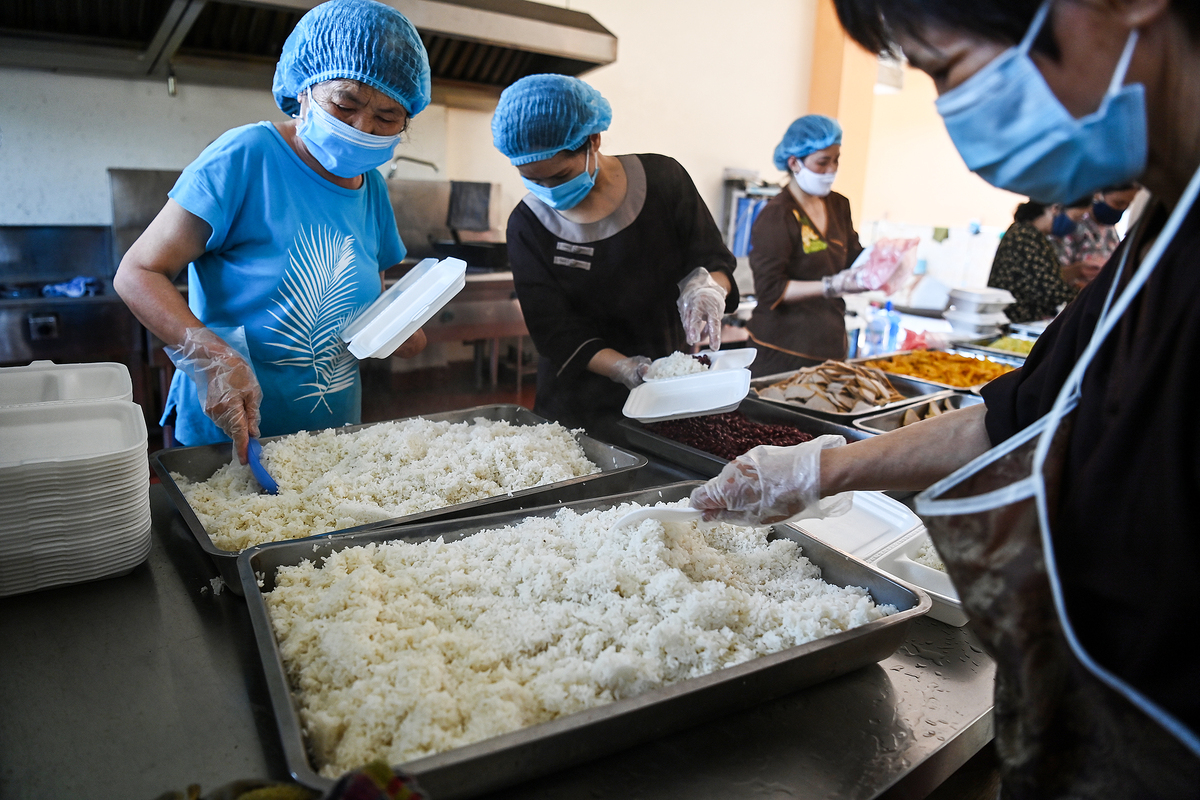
point(74, 478)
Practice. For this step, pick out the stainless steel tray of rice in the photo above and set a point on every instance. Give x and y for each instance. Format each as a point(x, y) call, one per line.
point(479, 653)
point(482, 451)
point(647, 438)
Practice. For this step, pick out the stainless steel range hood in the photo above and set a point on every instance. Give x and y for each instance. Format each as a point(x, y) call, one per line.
point(476, 47)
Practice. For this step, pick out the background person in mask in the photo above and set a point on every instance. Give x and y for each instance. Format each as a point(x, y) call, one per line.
point(802, 246)
point(1088, 245)
point(287, 229)
point(616, 259)
point(1026, 265)
point(1103, 91)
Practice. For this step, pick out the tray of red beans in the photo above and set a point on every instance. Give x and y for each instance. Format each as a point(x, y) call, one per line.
point(706, 444)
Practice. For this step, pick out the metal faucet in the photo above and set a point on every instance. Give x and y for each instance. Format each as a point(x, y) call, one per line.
point(395, 162)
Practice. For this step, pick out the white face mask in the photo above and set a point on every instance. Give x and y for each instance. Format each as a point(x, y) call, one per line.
point(818, 184)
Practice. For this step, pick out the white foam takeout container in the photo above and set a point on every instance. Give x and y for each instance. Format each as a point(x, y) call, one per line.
point(384, 325)
point(981, 301)
point(714, 391)
point(47, 382)
point(885, 534)
point(60, 434)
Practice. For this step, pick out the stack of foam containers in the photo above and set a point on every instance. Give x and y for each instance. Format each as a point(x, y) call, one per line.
point(74, 477)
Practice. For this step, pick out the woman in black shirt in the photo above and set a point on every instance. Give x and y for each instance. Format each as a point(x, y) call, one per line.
point(1027, 266)
point(612, 256)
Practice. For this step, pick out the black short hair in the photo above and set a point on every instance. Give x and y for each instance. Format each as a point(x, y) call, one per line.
point(1029, 211)
point(1082, 202)
point(1121, 187)
point(875, 23)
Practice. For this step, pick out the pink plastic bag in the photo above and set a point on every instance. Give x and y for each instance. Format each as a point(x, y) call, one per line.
point(889, 264)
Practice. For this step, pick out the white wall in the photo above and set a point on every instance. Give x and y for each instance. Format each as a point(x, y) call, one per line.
point(60, 133)
point(697, 80)
point(915, 174)
point(692, 80)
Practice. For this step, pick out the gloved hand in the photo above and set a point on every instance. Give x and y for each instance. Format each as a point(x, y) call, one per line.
point(225, 384)
point(630, 371)
point(701, 307)
point(884, 265)
point(771, 484)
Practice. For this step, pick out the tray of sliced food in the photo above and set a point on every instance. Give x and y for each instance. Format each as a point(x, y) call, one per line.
point(841, 391)
point(935, 406)
point(706, 444)
point(451, 464)
point(946, 369)
point(482, 652)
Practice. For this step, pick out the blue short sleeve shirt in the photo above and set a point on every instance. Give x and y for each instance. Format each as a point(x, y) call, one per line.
point(291, 258)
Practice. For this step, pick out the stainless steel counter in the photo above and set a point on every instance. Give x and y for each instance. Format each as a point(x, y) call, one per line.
point(133, 686)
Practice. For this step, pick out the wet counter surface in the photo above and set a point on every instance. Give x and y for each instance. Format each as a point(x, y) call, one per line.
point(138, 685)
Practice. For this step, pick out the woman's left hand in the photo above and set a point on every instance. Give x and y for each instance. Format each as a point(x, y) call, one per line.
point(412, 345)
point(701, 307)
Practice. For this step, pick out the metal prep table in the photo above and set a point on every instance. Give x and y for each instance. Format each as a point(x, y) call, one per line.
point(133, 686)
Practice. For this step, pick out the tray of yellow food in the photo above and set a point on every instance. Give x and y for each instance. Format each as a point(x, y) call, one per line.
point(953, 369)
point(1006, 346)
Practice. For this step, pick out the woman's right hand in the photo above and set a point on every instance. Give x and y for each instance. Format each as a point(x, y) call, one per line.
point(230, 393)
point(770, 484)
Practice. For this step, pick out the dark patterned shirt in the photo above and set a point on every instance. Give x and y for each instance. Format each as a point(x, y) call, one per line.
point(1025, 265)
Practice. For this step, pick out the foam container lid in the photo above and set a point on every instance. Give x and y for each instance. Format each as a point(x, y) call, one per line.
point(65, 432)
point(987, 295)
point(384, 325)
point(47, 382)
point(973, 318)
point(712, 392)
point(886, 534)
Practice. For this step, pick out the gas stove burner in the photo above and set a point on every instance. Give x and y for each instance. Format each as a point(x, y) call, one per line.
point(18, 291)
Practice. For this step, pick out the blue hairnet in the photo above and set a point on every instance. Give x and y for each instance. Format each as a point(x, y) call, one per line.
point(359, 39)
point(806, 136)
point(540, 115)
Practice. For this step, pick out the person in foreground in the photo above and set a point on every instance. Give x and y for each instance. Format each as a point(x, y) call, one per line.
point(1063, 507)
point(287, 229)
point(1027, 266)
point(615, 259)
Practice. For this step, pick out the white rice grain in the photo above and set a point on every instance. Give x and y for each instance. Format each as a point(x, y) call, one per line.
point(401, 650)
point(329, 481)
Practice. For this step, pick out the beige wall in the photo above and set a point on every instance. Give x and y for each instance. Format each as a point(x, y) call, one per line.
point(915, 175)
point(692, 80)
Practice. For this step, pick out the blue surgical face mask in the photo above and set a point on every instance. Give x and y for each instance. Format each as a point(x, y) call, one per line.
point(1105, 214)
point(569, 193)
point(1063, 225)
point(343, 149)
point(1014, 133)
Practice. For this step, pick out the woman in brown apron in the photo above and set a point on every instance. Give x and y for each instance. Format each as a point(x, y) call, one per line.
point(802, 239)
point(1073, 541)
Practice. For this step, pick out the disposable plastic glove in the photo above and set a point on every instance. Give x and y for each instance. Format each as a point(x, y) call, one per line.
point(225, 384)
point(701, 307)
point(630, 371)
point(885, 265)
point(771, 484)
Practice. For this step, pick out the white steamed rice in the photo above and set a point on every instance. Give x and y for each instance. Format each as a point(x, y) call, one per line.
point(928, 555)
point(675, 365)
point(401, 650)
point(330, 481)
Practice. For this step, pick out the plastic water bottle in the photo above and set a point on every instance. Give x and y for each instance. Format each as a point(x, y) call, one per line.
point(893, 327)
point(876, 335)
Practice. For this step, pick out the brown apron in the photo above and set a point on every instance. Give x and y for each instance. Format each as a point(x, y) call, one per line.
point(1060, 731)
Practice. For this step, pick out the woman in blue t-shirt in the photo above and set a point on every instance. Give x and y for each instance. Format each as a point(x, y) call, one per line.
point(285, 229)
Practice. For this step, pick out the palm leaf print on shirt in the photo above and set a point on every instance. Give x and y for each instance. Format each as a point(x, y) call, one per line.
point(313, 302)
